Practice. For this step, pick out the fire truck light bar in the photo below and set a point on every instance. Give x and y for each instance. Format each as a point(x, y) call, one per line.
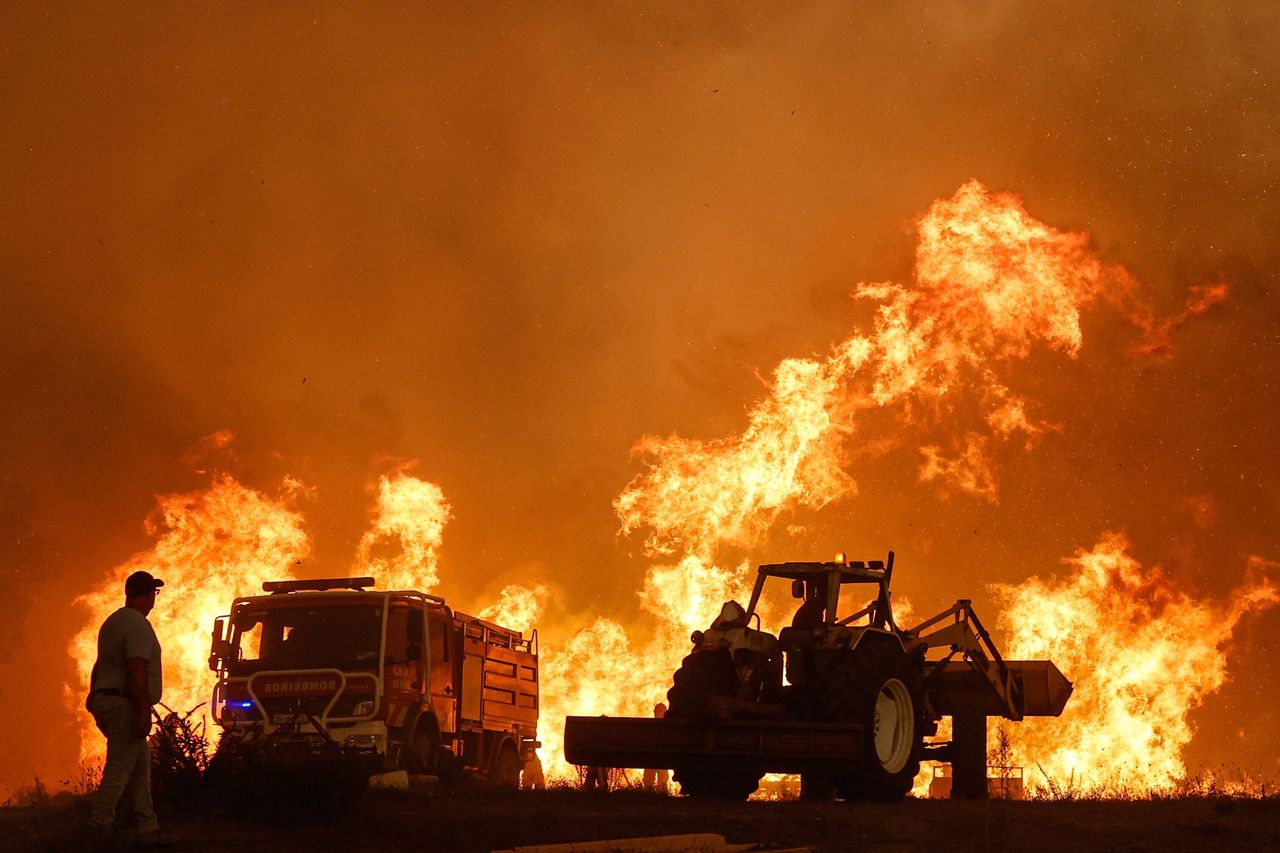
point(316, 585)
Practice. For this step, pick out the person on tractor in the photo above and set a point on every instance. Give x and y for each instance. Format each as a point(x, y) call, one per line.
point(813, 611)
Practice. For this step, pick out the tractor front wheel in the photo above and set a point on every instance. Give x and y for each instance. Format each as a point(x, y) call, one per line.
point(702, 679)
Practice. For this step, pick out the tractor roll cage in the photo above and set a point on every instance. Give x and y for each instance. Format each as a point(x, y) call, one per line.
point(836, 575)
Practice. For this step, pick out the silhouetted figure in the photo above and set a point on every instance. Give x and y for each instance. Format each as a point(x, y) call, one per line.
point(812, 613)
point(597, 780)
point(126, 682)
point(657, 780)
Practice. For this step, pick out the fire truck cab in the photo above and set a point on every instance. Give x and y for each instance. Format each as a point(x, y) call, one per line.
point(397, 675)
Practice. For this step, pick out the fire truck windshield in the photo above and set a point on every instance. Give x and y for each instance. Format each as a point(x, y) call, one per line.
point(344, 636)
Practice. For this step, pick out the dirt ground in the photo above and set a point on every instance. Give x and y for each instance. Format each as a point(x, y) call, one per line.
point(481, 821)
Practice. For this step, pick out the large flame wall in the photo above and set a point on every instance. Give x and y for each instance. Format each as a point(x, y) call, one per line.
point(991, 285)
point(592, 267)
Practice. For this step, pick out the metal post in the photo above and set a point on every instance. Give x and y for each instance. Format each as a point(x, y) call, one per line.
point(969, 755)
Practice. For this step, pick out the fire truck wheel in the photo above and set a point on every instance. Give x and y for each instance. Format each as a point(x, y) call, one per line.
point(419, 754)
point(879, 687)
point(505, 774)
point(701, 679)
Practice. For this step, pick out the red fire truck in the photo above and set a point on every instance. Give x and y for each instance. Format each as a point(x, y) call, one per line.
point(396, 674)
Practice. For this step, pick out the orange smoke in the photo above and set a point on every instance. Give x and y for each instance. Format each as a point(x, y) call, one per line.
point(1143, 652)
point(1158, 340)
point(211, 546)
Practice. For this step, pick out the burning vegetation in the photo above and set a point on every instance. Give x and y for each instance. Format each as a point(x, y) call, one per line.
point(935, 374)
point(1144, 653)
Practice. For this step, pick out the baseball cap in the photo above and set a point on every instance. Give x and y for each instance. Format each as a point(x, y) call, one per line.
point(141, 583)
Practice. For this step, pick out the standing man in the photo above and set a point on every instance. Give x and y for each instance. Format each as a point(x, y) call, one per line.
point(126, 682)
point(657, 780)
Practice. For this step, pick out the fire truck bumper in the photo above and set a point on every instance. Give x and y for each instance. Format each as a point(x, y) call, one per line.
point(365, 736)
point(371, 735)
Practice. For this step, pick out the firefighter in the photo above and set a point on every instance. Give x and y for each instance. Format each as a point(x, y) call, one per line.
point(126, 682)
point(657, 780)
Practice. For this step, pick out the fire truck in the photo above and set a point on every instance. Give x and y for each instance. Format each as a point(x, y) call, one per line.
point(394, 675)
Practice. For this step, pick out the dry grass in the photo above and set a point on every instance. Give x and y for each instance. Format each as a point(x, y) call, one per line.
point(476, 819)
point(179, 759)
point(1219, 783)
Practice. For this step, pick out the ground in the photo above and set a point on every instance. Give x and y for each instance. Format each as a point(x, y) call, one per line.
point(481, 821)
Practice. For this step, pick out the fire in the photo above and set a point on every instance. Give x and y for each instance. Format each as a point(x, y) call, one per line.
point(990, 282)
point(730, 491)
point(589, 674)
point(991, 285)
point(1143, 651)
point(411, 513)
point(517, 607)
point(211, 546)
point(997, 281)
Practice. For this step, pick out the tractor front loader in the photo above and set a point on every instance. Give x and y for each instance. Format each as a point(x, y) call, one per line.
point(843, 700)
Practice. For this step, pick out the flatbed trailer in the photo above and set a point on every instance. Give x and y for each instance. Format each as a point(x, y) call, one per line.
point(779, 746)
point(774, 746)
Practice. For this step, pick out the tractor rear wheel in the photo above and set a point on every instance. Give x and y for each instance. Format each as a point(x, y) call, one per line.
point(703, 677)
point(879, 687)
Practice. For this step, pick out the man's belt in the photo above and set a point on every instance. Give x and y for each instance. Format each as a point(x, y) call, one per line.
point(111, 691)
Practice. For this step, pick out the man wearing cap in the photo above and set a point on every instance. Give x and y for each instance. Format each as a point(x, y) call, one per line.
point(126, 682)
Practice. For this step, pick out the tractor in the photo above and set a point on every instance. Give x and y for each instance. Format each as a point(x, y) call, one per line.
point(844, 700)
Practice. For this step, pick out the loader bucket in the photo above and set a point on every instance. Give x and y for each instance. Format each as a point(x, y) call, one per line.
point(961, 688)
point(1045, 690)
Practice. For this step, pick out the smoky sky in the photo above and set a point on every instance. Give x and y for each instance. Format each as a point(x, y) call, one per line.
point(508, 240)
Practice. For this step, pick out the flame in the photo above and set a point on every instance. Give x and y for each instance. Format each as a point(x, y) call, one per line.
point(730, 491)
point(990, 281)
point(588, 674)
point(991, 284)
point(211, 546)
point(518, 607)
point(1143, 651)
point(968, 470)
point(997, 281)
point(411, 513)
